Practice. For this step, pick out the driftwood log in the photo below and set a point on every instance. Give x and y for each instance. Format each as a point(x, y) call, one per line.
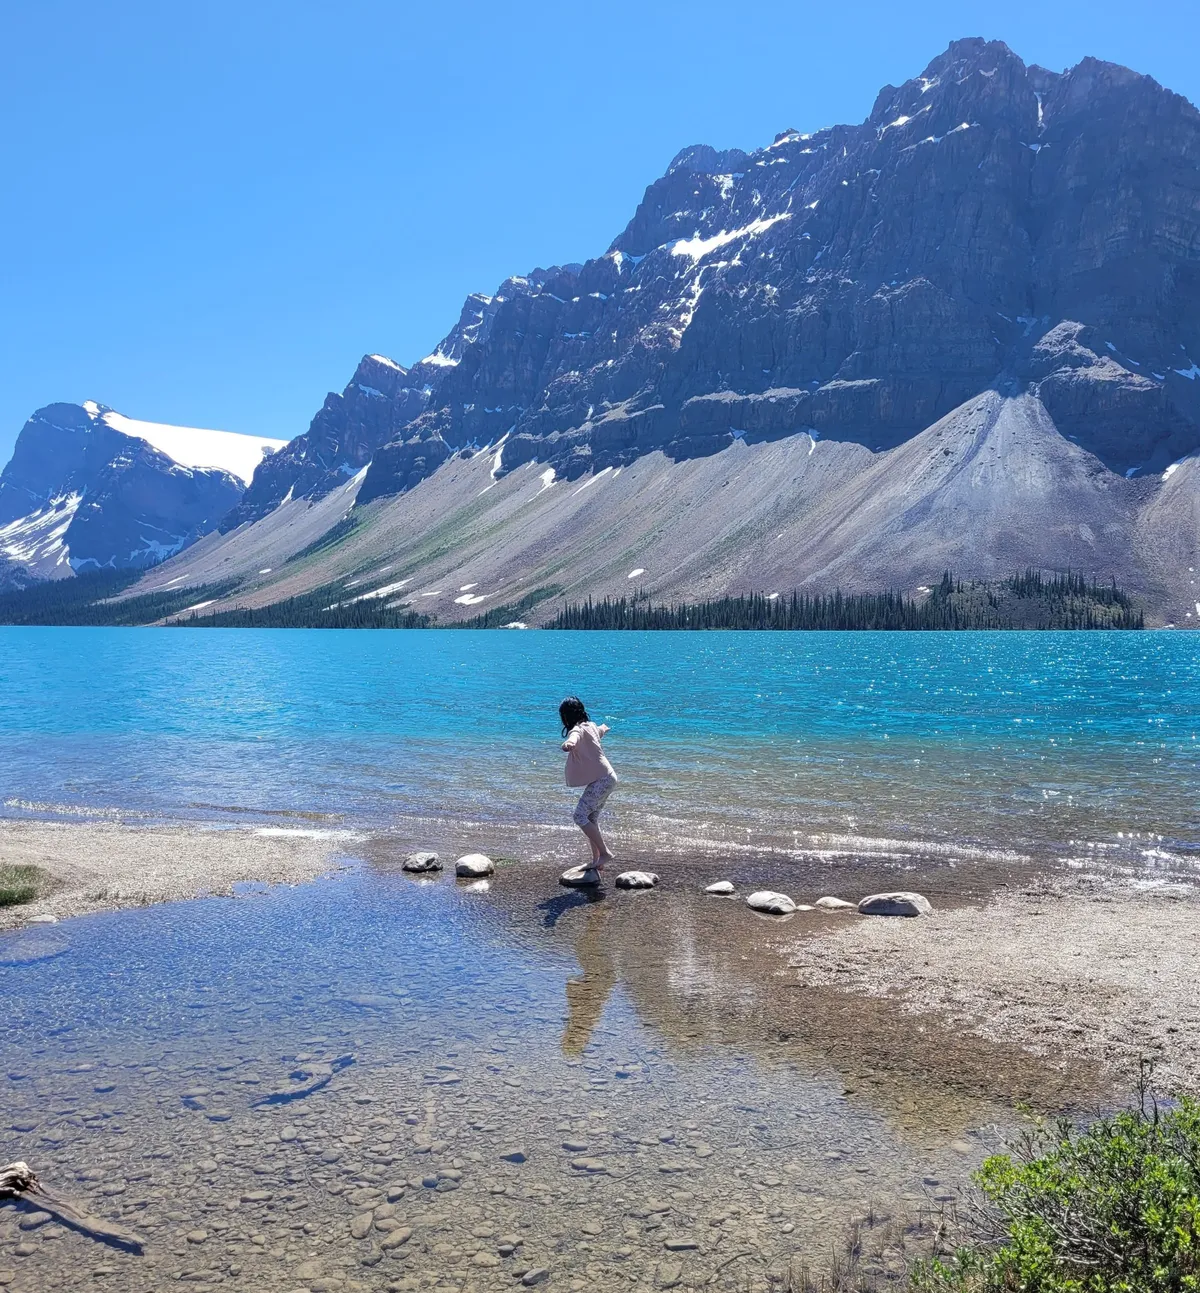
point(19, 1184)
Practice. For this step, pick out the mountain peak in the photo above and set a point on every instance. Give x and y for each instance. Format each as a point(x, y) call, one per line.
point(89, 487)
point(706, 160)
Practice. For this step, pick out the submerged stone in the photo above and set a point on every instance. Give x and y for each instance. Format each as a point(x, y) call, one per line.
point(836, 904)
point(721, 887)
point(636, 880)
point(32, 948)
point(421, 862)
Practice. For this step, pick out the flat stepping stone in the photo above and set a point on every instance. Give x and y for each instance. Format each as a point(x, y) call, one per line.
point(422, 862)
point(721, 887)
point(580, 877)
point(774, 904)
point(471, 866)
point(636, 880)
point(900, 903)
point(836, 904)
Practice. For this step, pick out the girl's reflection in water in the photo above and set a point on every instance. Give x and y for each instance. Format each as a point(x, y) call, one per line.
point(587, 993)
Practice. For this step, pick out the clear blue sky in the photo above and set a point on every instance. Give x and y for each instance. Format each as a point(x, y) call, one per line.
point(211, 210)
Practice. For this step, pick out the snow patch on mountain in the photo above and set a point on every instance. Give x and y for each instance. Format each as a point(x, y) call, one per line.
point(39, 536)
point(697, 248)
point(193, 446)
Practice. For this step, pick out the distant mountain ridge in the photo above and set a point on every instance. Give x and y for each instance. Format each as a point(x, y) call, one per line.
point(88, 487)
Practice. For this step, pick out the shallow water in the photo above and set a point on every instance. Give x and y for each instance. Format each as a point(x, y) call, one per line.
point(683, 1113)
point(1063, 745)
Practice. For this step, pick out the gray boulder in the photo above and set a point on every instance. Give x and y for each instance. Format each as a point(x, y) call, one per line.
point(421, 862)
point(835, 904)
point(471, 866)
point(636, 880)
point(774, 904)
point(901, 903)
point(724, 887)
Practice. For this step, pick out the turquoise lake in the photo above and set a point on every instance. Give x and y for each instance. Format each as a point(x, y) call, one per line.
point(377, 1082)
point(1042, 743)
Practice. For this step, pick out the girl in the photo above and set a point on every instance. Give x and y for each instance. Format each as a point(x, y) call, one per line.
point(587, 767)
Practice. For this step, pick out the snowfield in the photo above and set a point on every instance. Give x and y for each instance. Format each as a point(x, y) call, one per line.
point(193, 446)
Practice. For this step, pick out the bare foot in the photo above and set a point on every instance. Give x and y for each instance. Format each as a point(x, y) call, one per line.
point(602, 859)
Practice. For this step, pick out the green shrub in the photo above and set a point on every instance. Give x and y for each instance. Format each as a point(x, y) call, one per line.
point(19, 884)
point(1113, 1207)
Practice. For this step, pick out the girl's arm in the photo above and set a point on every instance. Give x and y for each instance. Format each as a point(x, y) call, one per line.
point(604, 729)
point(572, 740)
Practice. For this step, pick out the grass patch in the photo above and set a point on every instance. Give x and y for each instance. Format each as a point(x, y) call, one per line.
point(343, 529)
point(20, 884)
point(877, 1253)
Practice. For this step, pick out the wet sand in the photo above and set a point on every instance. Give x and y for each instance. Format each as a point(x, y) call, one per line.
point(1082, 973)
point(105, 866)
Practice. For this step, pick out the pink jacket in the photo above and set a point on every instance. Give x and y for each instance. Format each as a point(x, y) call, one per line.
point(585, 759)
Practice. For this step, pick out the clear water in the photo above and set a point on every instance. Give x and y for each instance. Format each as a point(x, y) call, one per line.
point(643, 1053)
point(665, 1081)
point(1044, 743)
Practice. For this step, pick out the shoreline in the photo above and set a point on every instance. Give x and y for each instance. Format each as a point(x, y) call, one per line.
point(104, 866)
point(1086, 974)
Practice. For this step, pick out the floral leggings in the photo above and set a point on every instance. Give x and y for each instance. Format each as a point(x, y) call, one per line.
point(591, 802)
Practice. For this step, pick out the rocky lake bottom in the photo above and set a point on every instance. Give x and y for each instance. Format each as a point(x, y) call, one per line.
point(379, 1082)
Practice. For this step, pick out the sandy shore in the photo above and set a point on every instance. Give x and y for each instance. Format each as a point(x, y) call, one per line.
point(1085, 975)
point(1072, 972)
point(96, 867)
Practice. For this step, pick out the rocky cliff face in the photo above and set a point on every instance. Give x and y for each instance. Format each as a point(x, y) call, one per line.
point(79, 493)
point(380, 401)
point(990, 226)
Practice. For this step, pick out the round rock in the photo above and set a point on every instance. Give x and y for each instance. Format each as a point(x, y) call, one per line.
point(636, 880)
point(901, 903)
point(835, 904)
point(471, 866)
point(721, 887)
point(420, 862)
point(774, 904)
point(580, 877)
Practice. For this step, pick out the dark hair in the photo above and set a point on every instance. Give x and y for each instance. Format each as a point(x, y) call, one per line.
point(571, 712)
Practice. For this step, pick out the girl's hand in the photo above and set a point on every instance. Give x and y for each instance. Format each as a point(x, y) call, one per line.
point(604, 729)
